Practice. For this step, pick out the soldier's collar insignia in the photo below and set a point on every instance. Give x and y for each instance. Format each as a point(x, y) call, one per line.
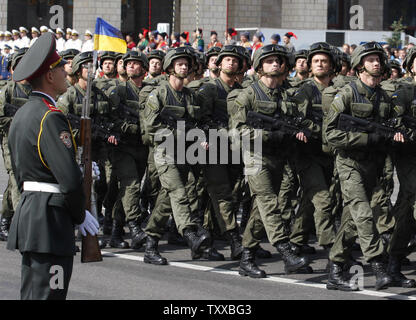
point(50, 105)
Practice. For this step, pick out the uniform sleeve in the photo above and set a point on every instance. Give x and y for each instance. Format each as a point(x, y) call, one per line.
point(58, 152)
point(340, 139)
point(4, 120)
point(151, 120)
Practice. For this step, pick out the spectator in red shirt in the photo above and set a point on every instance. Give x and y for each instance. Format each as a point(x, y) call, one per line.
point(130, 42)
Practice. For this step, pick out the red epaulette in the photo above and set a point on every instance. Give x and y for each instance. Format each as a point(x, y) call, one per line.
point(50, 105)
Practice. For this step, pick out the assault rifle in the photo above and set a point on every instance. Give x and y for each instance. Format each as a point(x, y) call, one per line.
point(353, 124)
point(171, 119)
point(289, 125)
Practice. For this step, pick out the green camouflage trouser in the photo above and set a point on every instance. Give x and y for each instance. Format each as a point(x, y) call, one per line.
point(404, 209)
point(12, 184)
point(315, 176)
point(358, 180)
point(264, 186)
point(129, 165)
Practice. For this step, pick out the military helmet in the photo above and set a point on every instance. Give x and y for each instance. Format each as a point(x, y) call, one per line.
point(396, 65)
point(12, 63)
point(366, 49)
point(136, 56)
point(80, 59)
point(107, 55)
point(186, 52)
point(69, 53)
point(322, 47)
point(213, 51)
point(158, 54)
point(117, 58)
point(267, 51)
point(301, 54)
point(408, 61)
point(337, 58)
point(232, 50)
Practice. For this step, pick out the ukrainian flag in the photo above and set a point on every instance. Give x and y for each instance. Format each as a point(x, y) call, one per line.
point(108, 38)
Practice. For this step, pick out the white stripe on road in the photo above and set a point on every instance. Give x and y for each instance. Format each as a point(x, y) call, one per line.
point(372, 293)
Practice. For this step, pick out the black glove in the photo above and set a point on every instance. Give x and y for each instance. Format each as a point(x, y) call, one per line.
point(374, 139)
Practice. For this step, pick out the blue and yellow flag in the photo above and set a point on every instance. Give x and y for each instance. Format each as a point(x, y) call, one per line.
point(108, 38)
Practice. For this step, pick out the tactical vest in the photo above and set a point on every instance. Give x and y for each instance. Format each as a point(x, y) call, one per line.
point(99, 105)
point(220, 114)
point(18, 97)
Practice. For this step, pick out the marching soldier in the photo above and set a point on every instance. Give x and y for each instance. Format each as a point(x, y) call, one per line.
point(12, 97)
point(130, 157)
point(313, 165)
point(265, 97)
point(172, 97)
point(360, 158)
point(43, 157)
point(69, 55)
point(101, 113)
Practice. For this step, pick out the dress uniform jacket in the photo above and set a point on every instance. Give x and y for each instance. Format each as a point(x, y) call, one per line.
point(43, 150)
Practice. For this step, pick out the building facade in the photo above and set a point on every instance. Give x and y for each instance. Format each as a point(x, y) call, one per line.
point(131, 16)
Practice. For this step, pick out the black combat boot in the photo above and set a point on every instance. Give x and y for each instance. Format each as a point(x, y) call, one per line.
point(116, 240)
point(151, 254)
point(108, 222)
point(336, 279)
point(292, 261)
point(138, 236)
point(196, 242)
point(212, 254)
point(304, 248)
point(248, 266)
point(262, 253)
point(383, 279)
point(235, 241)
point(398, 278)
point(4, 228)
point(173, 235)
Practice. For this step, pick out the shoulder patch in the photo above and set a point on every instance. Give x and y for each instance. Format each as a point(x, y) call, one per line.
point(50, 105)
point(66, 138)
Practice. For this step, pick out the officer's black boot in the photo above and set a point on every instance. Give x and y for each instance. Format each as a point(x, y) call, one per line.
point(4, 228)
point(292, 261)
point(383, 279)
point(196, 242)
point(235, 241)
point(108, 222)
point(262, 253)
point(151, 254)
point(138, 236)
point(399, 279)
point(336, 279)
point(173, 235)
point(116, 240)
point(248, 266)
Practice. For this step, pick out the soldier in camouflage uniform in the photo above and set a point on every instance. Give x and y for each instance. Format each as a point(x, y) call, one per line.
point(360, 158)
point(130, 157)
point(314, 167)
point(69, 55)
point(301, 67)
point(264, 175)
point(220, 178)
point(405, 162)
point(172, 97)
point(15, 94)
point(71, 103)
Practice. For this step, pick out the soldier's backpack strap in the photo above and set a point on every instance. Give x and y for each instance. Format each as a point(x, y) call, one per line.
point(222, 94)
point(260, 94)
point(317, 95)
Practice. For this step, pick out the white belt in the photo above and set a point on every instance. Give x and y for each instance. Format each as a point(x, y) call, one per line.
point(41, 186)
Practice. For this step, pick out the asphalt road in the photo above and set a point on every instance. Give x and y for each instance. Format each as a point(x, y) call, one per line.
point(123, 275)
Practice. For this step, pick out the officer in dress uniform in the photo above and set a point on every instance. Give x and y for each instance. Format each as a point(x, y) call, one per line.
point(43, 153)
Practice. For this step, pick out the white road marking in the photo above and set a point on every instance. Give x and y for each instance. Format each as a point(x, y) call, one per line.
point(379, 294)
